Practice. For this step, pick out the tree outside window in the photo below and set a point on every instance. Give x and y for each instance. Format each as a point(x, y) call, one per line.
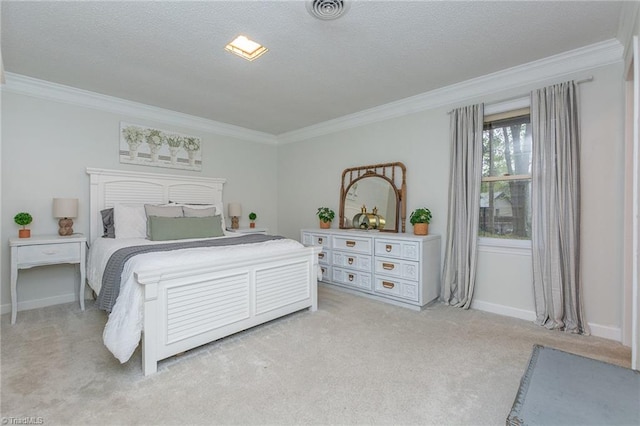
point(505, 193)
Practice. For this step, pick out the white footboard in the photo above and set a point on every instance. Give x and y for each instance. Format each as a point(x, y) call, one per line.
point(186, 308)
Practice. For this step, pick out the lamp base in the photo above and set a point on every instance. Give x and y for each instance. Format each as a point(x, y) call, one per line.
point(235, 222)
point(66, 226)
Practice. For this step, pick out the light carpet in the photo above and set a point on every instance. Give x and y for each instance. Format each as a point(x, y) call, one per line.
point(354, 361)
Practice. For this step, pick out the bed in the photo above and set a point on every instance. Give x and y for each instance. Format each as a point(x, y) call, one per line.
point(176, 301)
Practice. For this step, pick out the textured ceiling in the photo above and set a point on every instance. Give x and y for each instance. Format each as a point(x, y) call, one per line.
point(171, 55)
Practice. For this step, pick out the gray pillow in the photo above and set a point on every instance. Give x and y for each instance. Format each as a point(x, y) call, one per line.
point(108, 230)
point(179, 228)
point(201, 212)
point(161, 211)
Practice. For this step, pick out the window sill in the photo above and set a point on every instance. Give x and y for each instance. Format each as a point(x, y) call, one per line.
point(504, 246)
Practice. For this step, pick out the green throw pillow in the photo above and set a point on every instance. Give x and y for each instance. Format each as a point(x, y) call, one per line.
point(179, 228)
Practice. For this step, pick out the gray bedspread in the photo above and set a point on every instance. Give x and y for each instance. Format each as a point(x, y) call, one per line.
point(115, 265)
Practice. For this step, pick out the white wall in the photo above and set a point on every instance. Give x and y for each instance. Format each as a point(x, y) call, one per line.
point(46, 147)
point(311, 170)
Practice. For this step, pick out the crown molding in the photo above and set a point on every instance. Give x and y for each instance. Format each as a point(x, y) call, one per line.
point(30, 86)
point(629, 19)
point(582, 59)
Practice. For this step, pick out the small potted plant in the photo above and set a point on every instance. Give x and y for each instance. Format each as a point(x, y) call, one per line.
point(326, 215)
point(23, 219)
point(420, 219)
point(252, 218)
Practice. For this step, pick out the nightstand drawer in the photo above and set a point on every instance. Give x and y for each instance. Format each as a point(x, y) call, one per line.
point(49, 253)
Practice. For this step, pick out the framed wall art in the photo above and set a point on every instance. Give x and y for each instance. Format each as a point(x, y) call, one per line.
point(147, 146)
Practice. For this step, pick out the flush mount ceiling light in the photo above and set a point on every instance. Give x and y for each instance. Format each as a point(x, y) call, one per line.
point(246, 48)
point(327, 9)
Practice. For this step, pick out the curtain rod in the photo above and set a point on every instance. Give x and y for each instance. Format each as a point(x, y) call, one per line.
point(584, 80)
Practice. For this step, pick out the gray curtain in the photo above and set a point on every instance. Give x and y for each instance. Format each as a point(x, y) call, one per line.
point(555, 216)
point(458, 277)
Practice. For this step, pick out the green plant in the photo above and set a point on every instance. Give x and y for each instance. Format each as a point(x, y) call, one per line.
point(422, 215)
point(326, 214)
point(23, 219)
point(252, 216)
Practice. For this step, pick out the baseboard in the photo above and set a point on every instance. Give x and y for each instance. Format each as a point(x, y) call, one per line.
point(604, 331)
point(503, 310)
point(40, 303)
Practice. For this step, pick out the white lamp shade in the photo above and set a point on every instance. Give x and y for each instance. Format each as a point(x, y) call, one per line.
point(65, 207)
point(235, 209)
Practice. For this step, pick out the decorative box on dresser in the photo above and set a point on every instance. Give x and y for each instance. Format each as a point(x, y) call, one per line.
point(403, 269)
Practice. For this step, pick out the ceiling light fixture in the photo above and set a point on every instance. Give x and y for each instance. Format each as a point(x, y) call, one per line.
point(327, 9)
point(246, 48)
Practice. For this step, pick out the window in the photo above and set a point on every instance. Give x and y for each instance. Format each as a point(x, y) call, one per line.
point(505, 192)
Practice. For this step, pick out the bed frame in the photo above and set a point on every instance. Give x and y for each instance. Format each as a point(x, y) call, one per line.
point(188, 307)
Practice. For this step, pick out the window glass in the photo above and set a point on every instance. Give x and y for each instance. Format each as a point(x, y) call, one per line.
point(505, 194)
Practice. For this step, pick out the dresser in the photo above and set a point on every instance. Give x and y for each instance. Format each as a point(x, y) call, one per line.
point(403, 269)
point(44, 250)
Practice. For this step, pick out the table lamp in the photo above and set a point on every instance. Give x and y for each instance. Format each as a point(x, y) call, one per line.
point(65, 209)
point(235, 211)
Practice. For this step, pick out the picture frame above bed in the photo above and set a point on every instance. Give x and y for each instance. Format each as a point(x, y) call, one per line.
point(148, 146)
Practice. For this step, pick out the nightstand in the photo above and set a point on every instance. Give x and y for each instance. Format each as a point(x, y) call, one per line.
point(46, 250)
point(248, 230)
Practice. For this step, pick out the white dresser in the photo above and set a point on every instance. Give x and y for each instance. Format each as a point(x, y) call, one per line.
point(399, 268)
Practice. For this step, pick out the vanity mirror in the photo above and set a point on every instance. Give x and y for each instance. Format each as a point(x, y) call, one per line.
point(374, 197)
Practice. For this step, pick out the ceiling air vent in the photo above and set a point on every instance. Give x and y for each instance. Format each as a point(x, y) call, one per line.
point(327, 9)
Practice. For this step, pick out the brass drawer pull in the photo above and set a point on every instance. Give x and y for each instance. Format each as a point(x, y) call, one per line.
point(351, 277)
point(350, 261)
point(324, 271)
point(387, 284)
point(351, 243)
point(319, 240)
point(388, 266)
point(388, 247)
point(321, 255)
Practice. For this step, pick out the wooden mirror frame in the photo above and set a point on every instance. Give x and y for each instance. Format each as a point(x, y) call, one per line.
point(386, 171)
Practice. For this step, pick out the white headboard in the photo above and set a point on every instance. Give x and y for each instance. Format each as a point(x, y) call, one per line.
point(109, 187)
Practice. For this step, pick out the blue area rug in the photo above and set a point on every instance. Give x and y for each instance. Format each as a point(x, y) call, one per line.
point(560, 388)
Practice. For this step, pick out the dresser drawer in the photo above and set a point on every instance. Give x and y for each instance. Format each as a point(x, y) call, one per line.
point(409, 250)
point(326, 273)
point(397, 268)
point(323, 240)
point(360, 262)
point(397, 288)
point(49, 253)
point(324, 257)
point(353, 244)
point(361, 280)
point(314, 239)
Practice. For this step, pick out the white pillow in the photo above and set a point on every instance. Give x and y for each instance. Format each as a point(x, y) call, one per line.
point(199, 212)
point(130, 221)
